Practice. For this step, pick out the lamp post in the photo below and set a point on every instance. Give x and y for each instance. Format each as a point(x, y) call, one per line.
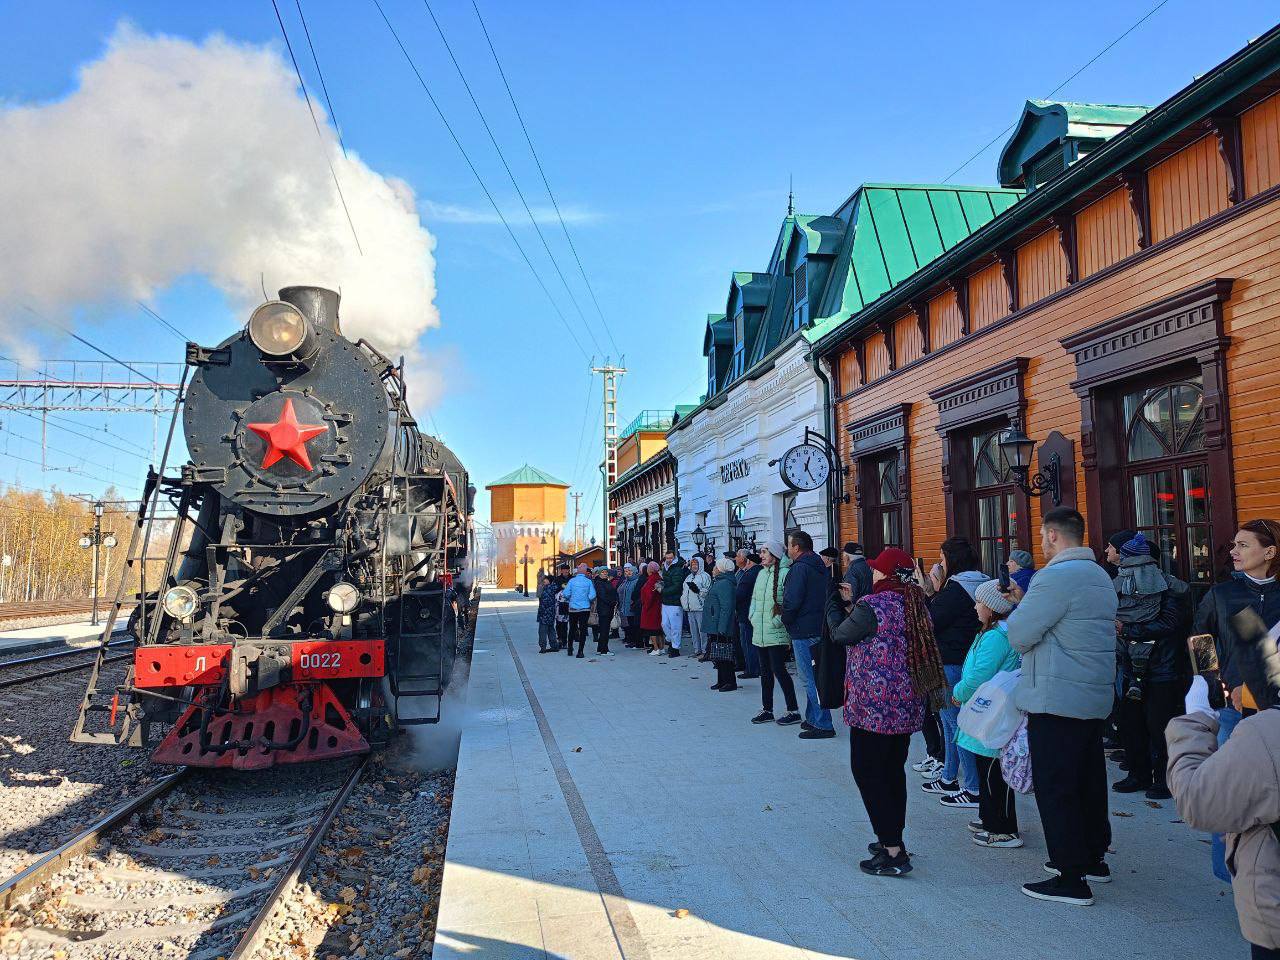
point(699, 538)
point(95, 540)
point(1018, 448)
point(526, 560)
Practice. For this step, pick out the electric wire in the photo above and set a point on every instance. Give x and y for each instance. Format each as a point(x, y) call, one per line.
point(316, 122)
point(92, 346)
point(83, 436)
point(163, 322)
point(320, 73)
point(1092, 60)
point(484, 121)
point(80, 457)
point(545, 182)
point(479, 179)
point(582, 431)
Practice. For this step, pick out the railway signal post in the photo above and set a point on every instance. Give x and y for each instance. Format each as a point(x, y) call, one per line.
point(95, 540)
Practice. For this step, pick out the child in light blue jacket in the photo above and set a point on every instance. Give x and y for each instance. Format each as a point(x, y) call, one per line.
point(997, 823)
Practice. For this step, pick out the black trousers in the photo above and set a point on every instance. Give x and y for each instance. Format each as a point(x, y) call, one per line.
point(577, 630)
point(879, 765)
point(1070, 774)
point(600, 633)
point(1142, 724)
point(1262, 953)
point(562, 634)
point(725, 674)
point(773, 663)
point(933, 735)
point(631, 636)
point(995, 798)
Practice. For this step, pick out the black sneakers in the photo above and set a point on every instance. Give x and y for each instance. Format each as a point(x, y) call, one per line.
point(764, 716)
point(1158, 791)
point(1130, 784)
point(883, 865)
point(1073, 892)
point(787, 719)
point(673, 652)
point(1098, 873)
point(814, 733)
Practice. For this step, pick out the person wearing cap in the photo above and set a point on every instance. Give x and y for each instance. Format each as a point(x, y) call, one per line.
point(804, 594)
point(692, 597)
point(748, 565)
point(1022, 567)
point(606, 604)
point(997, 823)
point(893, 669)
point(856, 572)
point(769, 634)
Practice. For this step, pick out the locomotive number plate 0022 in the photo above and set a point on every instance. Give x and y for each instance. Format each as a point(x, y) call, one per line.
point(327, 659)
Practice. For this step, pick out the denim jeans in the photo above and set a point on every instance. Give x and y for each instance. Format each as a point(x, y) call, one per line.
point(813, 712)
point(1228, 717)
point(750, 655)
point(547, 636)
point(959, 760)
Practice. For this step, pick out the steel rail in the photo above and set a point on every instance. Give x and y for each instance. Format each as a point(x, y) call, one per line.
point(56, 671)
point(257, 932)
point(54, 860)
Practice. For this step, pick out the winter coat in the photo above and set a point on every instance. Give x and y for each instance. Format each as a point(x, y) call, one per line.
point(547, 601)
point(673, 583)
point(1065, 630)
point(606, 602)
point(830, 659)
point(579, 591)
point(955, 619)
point(1157, 649)
point(879, 695)
point(858, 576)
point(628, 597)
point(989, 655)
point(1139, 583)
point(746, 584)
point(718, 615)
point(766, 627)
point(692, 600)
point(804, 593)
point(651, 603)
point(1222, 602)
point(1235, 789)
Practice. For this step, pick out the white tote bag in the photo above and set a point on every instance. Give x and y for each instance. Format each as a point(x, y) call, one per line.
point(989, 716)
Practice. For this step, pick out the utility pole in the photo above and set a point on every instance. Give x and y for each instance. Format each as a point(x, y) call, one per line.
point(610, 372)
point(95, 539)
point(577, 497)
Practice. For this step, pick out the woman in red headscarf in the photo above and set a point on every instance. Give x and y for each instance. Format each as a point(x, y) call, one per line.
point(893, 670)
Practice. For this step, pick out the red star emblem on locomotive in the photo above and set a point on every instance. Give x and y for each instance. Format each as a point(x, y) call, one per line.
point(287, 437)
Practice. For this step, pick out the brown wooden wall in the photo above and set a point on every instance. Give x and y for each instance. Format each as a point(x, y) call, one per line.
point(907, 332)
point(1106, 232)
point(945, 322)
point(1244, 248)
point(847, 373)
point(1188, 187)
point(1042, 269)
point(988, 297)
point(877, 357)
point(1260, 145)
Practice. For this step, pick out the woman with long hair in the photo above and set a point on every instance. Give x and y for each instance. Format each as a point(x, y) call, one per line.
point(893, 671)
point(769, 635)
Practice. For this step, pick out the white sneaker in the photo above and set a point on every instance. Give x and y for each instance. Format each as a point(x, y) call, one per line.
point(1008, 840)
point(654, 653)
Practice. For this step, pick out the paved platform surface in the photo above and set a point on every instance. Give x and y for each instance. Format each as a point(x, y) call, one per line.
point(596, 799)
point(52, 636)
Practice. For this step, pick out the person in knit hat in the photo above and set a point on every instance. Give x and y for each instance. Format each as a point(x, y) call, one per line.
point(1139, 582)
point(997, 823)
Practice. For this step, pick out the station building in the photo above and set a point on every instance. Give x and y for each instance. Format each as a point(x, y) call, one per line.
point(1123, 315)
point(527, 515)
point(644, 499)
point(765, 396)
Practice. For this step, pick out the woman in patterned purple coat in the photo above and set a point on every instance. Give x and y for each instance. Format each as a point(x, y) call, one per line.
point(893, 670)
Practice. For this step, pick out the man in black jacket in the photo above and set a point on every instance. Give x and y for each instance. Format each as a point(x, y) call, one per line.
point(804, 595)
point(856, 572)
point(748, 569)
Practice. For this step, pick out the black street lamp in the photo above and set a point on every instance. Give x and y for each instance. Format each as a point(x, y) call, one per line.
point(699, 538)
point(1018, 448)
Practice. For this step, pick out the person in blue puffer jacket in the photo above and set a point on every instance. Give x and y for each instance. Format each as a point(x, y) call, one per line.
point(579, 592)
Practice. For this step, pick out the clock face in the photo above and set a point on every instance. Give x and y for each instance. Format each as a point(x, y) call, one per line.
point(805, 467)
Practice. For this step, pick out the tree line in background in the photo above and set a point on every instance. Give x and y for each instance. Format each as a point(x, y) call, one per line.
point(41, 557)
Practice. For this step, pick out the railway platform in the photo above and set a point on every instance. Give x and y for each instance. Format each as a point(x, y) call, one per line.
point(51, 637)
point(597, 800)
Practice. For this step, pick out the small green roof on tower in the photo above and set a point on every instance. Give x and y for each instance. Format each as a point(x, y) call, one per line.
point(527, 476)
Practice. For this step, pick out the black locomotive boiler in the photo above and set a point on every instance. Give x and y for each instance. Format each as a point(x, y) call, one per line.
point(317, 569)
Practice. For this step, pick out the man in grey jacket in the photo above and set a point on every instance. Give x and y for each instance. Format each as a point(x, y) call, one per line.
point(1065, 630)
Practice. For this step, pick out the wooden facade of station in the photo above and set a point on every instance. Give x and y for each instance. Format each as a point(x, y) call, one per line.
point(1126, 313)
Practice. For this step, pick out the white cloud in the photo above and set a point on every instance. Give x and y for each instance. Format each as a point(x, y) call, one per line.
point(173, 158)
point(456, 213)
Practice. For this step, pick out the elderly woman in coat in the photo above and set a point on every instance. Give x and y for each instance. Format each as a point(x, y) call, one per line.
point(650, 593)
point(769, 635)
point(720, 625)
point(629, 605)
point(692, 597)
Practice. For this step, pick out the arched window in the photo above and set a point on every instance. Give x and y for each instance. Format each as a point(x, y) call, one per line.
point(995, 500)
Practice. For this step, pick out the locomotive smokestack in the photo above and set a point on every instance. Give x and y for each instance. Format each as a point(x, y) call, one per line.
point(317, 304)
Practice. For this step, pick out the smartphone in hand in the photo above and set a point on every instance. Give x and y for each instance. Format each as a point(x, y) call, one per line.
point(1204, 662)
point(1004, 579)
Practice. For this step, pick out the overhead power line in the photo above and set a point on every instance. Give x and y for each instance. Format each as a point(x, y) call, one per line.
point(543, 173)
point(320, 73)
point(92, 346)
point(163, 322)
point(479, 179)
point(484, 121)
point(316, 122)
point(1090, 62)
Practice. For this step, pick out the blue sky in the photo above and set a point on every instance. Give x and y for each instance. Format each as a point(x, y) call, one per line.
point(668, 132)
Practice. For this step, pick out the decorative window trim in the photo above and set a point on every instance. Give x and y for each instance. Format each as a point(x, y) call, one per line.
point(981, 396)
point(870, 439)
point(880, 431)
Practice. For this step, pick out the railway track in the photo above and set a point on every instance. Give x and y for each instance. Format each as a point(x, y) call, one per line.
point(193, 867)
point(40, 666)
point(37, 609)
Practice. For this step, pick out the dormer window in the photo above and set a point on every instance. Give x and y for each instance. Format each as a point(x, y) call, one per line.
point(800, 297)
point(739, 346)
point(711, 373)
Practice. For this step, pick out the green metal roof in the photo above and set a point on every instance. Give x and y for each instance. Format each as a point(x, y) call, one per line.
point(894, 230)
point(1046, 123)
point(527, 476)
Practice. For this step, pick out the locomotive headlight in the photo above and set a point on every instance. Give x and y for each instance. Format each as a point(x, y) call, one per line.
point(343, 597)
point(278, 329)
point(180, 602)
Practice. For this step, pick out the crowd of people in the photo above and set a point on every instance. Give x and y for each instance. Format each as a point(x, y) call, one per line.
point(1096, 655)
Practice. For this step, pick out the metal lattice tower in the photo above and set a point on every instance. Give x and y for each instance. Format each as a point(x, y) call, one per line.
point(610, 374)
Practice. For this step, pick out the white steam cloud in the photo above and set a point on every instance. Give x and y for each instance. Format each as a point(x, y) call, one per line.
point(174, 158)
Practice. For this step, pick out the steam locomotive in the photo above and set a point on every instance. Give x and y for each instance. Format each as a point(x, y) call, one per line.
point(316, 574)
